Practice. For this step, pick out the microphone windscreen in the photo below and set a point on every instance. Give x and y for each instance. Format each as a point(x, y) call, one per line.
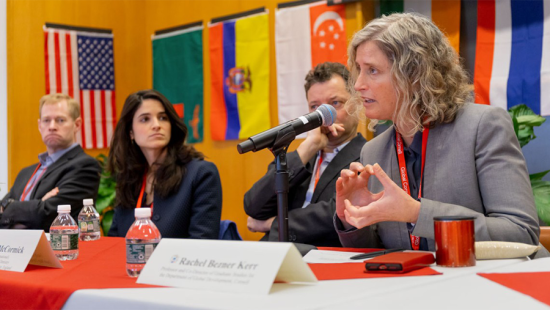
point(328, 114)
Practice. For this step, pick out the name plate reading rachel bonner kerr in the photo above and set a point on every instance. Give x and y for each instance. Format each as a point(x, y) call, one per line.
point(225, 266)
point(21, 247)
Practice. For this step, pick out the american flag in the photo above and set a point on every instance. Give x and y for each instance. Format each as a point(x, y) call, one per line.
point(81, 64)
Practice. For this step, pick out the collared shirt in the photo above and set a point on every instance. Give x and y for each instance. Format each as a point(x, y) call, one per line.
point(45, 161)
point(413, 159)
point(327, 158)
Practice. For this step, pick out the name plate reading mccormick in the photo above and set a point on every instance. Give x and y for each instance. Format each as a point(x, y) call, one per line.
point(21, 247)
point(225, 266)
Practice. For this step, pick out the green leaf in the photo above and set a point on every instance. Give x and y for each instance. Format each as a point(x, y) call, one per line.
point(519, 110)
point(107, 222)
point(524, 119)
point(537, 176)
point(516, 126)
point(531, 120)
point(105, 202)
point(541, 192)
point(106, 194)
point(525, 134)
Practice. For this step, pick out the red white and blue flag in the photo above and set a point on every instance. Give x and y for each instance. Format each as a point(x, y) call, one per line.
point(81, 64)
point(512, 63)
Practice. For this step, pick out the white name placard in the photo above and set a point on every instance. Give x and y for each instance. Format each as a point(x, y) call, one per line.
point(226, 266)
point(19, 248)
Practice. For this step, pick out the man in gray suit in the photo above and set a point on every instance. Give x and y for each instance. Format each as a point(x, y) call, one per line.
point(443, 156)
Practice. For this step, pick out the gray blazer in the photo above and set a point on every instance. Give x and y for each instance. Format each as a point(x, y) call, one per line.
point(474, 167)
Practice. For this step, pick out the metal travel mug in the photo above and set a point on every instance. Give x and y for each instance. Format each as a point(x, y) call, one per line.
point(454, 241)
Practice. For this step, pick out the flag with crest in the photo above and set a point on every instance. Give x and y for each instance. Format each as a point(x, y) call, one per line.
point(239, 70)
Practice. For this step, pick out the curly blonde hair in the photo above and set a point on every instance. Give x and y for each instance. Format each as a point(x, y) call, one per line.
point(429, 81)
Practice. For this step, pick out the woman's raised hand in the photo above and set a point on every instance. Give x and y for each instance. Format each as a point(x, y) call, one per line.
point(392, 204)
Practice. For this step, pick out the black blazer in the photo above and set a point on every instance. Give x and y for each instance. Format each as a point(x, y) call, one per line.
point(194, 211)
point(311, 225)
point(75, 174)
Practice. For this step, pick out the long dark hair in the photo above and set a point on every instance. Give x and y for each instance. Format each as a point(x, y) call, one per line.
point(128, 164)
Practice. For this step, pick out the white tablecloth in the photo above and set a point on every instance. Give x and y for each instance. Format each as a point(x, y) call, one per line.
point(457, 288)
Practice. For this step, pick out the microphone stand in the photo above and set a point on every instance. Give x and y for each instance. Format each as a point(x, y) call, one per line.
point(285, 136)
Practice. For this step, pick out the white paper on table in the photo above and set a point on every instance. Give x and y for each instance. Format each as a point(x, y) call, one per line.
point(225, 266)
point(331, 257)
point(21, 247)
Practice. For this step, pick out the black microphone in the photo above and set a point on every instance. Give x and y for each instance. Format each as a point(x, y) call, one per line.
point(325, 115)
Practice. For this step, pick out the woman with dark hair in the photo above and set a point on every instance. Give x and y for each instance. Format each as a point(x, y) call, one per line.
point(444, 155)
point(155, 168)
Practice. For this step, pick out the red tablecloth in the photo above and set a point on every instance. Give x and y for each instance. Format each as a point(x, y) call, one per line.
point(100, 264)
point(534, 284)
point(342, 271)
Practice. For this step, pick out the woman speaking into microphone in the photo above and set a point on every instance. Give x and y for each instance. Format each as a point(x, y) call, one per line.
point(154, 168)
point(443, 156)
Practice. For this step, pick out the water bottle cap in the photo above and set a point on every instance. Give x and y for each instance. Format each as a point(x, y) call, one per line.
point(88, 202)
point(64, 208)
point(143, 212)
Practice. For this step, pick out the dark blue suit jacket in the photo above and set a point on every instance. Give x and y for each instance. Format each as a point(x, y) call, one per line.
point(311, 225)
point(75, 174)
point(194, 211)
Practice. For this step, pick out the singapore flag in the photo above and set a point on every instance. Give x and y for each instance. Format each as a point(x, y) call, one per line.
point(305, 36)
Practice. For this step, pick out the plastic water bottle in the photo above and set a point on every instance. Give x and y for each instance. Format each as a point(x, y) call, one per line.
point(88, 221)
point(141, 240)
point(64, 234)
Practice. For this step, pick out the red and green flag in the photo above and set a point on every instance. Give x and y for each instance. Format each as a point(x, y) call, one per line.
point(178, 74)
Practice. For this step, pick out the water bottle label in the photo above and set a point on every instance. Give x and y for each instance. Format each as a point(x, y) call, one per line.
point(139, 253)
point(64, 242)
point(89, 226)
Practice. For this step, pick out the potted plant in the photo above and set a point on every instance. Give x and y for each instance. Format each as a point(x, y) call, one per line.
point(105, 196)
point(524, 120)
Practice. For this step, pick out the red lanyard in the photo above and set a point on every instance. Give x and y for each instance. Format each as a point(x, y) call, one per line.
point(318, 173)
point(142, 191)
point(27, 189)
point(415, 241)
